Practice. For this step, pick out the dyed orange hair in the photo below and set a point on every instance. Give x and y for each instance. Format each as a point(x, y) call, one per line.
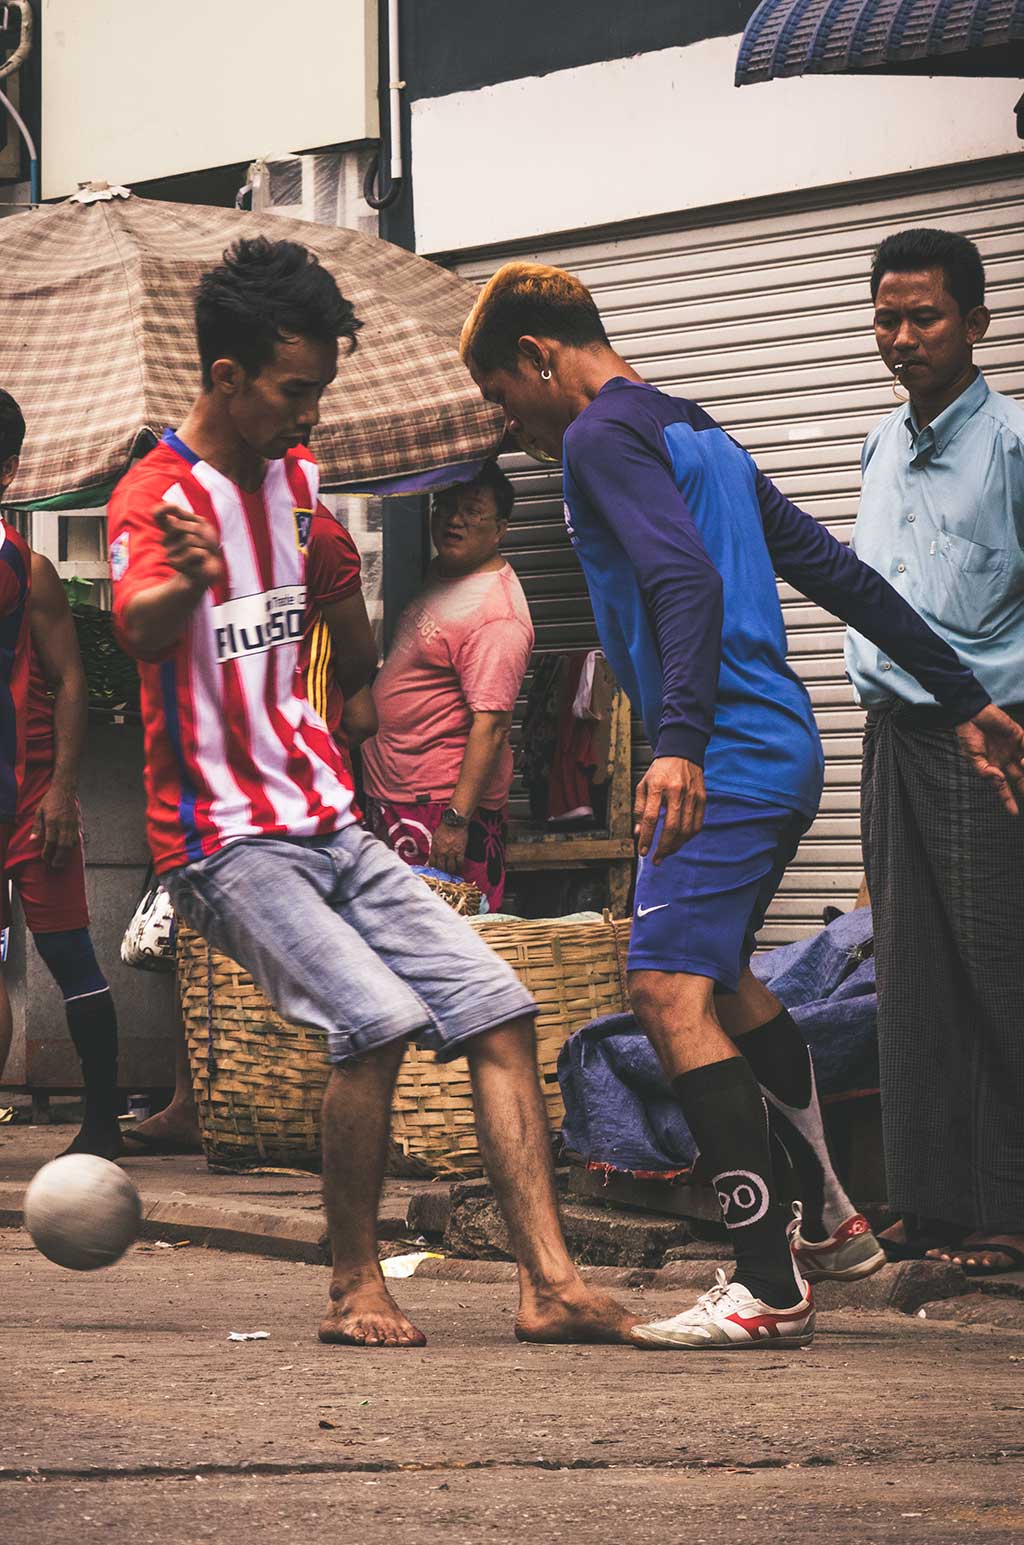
point(528, 298)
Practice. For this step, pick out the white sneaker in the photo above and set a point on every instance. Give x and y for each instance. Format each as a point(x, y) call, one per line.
point(729, 1318)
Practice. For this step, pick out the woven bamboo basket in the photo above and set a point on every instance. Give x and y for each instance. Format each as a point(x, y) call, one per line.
point(575, 970)
point(259, 1080)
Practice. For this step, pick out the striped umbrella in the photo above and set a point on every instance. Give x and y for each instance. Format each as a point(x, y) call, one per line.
point(98, 346)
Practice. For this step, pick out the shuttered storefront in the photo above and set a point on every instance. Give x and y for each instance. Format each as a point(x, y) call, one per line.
point(764, 318)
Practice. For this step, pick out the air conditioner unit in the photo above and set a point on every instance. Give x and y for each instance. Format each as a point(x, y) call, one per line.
point(10, 139)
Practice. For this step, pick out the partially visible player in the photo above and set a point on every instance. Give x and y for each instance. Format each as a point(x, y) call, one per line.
point(44, 859)
point(15, 585)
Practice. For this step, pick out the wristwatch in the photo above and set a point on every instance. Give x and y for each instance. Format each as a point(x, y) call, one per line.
point(451, 817)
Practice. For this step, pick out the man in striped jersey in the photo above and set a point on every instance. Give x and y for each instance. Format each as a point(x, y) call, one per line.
point(250, 806)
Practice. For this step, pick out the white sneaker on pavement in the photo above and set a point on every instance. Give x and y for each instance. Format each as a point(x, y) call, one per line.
point(845, 1256)
point(729, 1318)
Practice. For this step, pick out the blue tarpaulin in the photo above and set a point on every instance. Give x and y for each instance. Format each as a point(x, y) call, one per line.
point(620, 1111)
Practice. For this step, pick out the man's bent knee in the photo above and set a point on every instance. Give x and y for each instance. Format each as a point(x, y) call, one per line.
point(382, 1060)
point(509, 1045)
point(669, 1001)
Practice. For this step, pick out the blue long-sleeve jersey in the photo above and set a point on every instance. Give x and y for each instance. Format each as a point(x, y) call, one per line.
point(680, 538)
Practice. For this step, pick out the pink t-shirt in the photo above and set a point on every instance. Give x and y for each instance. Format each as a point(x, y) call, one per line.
point(462, 646)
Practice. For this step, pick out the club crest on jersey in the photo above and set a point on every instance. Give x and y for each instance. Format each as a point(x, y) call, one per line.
point(252, 624)
point(303, 526)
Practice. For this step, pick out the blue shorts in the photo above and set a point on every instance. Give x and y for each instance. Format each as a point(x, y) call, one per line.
point(699, 911)
point(340, 934)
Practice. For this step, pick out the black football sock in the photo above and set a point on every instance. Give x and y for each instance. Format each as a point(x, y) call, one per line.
point(726, 1114)
point(92, 1022)
point(781, 1063)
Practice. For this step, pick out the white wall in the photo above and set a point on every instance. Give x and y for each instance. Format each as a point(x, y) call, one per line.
point(669, 131)
point(136, 89)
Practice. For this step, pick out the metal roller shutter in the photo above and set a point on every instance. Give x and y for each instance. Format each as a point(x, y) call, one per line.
point(764, 318)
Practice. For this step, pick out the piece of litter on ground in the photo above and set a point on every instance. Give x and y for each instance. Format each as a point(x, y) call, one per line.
point(249, 1335)
point(406, 1265)
point(921, 1316)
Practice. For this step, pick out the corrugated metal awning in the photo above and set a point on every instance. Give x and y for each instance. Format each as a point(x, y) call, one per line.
point(932, 37)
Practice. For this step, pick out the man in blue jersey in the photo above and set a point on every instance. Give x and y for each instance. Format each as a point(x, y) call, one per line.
point(680, 538)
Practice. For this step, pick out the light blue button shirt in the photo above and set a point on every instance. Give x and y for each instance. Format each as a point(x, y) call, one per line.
point(942, 519)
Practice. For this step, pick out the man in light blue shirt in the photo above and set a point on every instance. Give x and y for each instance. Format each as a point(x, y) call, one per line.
point(942, 519)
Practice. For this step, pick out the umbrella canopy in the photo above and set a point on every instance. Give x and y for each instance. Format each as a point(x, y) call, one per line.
point(935, 37)
point(98, 344)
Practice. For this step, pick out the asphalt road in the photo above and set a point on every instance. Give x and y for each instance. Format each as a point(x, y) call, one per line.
point(130, 1416)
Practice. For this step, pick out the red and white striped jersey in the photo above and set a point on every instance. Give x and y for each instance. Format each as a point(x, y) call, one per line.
point(233, 747)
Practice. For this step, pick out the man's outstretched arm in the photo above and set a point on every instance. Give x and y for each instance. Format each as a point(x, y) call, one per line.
point(810, 559)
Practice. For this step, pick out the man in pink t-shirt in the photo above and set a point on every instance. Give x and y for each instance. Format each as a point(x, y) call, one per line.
point(439, 769)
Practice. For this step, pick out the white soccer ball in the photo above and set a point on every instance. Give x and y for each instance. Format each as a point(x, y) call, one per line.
point(82, 1211)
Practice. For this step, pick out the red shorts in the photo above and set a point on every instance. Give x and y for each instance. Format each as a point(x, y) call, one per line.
point(53, 900)
point(409, 829)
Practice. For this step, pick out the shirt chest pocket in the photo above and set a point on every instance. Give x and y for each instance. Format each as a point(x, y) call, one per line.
point(969, 581)
point(972, 558)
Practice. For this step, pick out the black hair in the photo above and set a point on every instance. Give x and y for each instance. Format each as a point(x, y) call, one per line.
point(910, 252)
point(262, 293)
point(491, 477)
point(12, 427)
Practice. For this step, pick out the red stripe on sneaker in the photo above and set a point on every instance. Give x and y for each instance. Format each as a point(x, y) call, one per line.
point(753, 1324)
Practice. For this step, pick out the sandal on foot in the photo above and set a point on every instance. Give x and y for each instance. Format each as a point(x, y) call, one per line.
point(983, 1268)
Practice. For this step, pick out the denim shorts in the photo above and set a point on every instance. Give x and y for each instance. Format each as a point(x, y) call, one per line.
point(341, 935)
point(700, 910)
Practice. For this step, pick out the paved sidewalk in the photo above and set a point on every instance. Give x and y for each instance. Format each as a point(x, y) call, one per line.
point(129, 1416)
point(270, 1212)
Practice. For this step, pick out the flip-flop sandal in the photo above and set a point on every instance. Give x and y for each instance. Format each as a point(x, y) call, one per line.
point(981, 1268)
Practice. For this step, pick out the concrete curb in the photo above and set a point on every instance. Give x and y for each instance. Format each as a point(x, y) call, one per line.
point(289, 1234)
point(285, 1234)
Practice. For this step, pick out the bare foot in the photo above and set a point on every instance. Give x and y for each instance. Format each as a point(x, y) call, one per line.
point(173, 1130)
point(577, 1313)
point(367, 1316)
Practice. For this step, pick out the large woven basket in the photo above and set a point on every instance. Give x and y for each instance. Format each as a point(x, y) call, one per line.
point(575, 970)
point(259, 1080)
